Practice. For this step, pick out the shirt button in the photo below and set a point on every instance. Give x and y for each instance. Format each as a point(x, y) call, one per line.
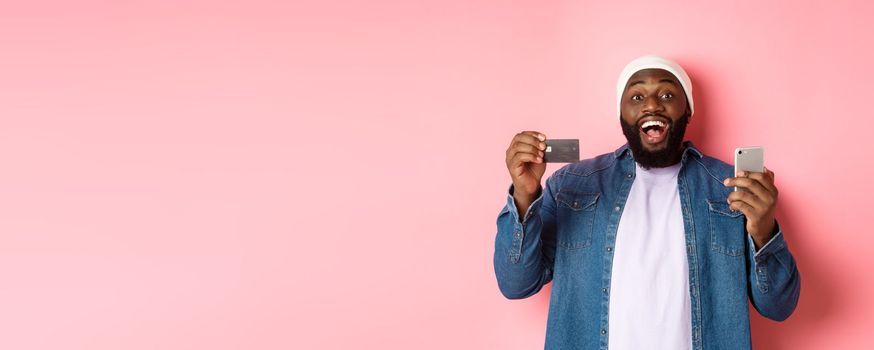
point(616, 209)
point(609, 249)
point(603, 331)
point(629, 176)
point(604, 290)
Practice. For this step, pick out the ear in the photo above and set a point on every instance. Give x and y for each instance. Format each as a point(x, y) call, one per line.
point(688, 112)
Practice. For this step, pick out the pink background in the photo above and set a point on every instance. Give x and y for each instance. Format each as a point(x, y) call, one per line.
point(326, 175)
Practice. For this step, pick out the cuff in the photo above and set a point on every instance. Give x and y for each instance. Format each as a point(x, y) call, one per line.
point(774, 244)
point(511, 206)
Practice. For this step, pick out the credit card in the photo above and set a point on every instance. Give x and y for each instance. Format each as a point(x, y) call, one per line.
point(562, 151)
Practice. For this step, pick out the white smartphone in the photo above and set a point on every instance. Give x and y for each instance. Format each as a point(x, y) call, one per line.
point(749, 159)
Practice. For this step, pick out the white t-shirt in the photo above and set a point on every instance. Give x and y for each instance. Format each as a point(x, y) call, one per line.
point(649, 292)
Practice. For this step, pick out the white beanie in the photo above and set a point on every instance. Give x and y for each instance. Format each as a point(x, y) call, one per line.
point(657, 62)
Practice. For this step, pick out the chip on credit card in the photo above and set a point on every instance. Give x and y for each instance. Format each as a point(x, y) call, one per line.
point(562, 151)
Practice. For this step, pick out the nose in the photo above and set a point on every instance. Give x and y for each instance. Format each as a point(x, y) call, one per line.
point(652, 104)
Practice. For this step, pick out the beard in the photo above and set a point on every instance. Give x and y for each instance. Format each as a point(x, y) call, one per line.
point(667, 156)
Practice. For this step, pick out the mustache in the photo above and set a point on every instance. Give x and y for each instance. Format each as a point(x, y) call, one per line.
point(661, 116)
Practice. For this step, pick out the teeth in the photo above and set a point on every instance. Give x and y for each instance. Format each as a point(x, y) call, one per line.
point(651, 123)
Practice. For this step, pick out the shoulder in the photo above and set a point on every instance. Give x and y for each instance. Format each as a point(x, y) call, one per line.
point(587, 167)
point(714, 167)
point(583, 173)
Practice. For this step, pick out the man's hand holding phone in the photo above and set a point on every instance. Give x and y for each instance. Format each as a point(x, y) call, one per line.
point(758, 202)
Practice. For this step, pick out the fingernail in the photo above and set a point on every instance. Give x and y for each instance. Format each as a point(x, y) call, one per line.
point(542, 137)
point(740, 173)
point(539, 159)
point(542, 145)
point(725, 182)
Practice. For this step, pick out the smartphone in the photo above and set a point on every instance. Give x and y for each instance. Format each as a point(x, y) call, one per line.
point(562, 151)
point(749, 159)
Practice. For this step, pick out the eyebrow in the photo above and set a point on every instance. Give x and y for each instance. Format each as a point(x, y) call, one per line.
point(670, 81)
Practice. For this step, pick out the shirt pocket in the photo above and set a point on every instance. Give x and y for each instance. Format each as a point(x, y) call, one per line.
point(576, 216)
point(726, 228)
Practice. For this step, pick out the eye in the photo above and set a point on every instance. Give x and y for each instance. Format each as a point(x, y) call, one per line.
point(637, 98)
point(667, 96)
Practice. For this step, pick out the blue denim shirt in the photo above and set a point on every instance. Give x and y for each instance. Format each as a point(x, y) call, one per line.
point(568, 234)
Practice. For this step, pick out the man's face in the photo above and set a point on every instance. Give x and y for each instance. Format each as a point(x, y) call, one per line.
point(654, 117)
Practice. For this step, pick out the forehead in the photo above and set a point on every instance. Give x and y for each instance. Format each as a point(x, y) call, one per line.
point(652, 76)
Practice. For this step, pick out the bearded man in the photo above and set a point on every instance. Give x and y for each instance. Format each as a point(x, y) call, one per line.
point(648, 246)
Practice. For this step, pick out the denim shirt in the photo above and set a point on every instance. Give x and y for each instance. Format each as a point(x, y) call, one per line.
point(568, 234)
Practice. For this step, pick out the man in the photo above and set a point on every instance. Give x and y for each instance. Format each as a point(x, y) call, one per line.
point(647, 247)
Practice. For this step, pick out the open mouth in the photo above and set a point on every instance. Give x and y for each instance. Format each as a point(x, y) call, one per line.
point(654, 131)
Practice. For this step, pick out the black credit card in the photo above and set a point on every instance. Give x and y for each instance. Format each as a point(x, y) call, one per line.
point(562, 151)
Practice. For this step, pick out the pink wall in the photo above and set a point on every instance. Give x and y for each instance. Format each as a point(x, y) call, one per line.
point(326, 175)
